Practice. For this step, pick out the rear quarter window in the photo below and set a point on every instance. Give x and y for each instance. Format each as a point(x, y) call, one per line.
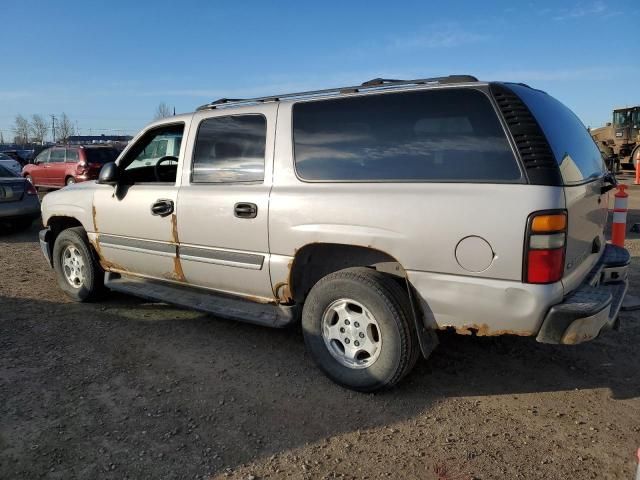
point(101, 155)
point(448, 135)
point(575, 151)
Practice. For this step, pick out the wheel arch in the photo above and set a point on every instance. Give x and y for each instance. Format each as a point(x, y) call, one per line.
point(317, 260)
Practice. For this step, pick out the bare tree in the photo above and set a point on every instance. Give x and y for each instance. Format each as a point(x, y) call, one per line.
point(163, 111)
point(39, 128)
point(21, 128)
point(64, 128)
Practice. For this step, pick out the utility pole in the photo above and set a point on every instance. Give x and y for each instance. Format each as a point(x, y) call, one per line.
point(53, 127)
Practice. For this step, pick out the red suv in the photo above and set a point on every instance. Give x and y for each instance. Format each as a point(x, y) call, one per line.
point(66, 165)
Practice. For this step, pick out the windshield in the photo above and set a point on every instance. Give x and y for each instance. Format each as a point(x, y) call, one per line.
point(621, 119)
point(101, 155)
point(5, 172)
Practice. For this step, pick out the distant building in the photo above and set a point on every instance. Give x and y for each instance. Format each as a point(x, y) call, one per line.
point(88, 139)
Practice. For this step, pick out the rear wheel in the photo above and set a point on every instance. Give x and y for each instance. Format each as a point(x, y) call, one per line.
point(70, 181)
point(357, 326)
point(77, 270)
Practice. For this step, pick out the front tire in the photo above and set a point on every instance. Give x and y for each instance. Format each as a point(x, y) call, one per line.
point(78, 273)
point(358, 328)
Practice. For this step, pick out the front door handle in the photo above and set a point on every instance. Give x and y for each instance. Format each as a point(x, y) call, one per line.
point(245, 210)
point(162, 207)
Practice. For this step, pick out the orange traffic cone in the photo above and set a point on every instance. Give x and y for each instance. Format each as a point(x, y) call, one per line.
point(619, 227)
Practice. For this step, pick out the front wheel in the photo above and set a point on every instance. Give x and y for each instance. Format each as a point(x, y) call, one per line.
point(77, 270)
point(358, 328)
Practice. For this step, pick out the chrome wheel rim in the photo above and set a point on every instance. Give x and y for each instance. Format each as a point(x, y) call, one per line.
point(73, 266)
point(351, 333)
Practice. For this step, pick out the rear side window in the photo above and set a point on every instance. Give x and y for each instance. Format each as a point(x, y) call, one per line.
point(101, 155)
point(577, 155)
point(450, 135)
point(72, 155)
point(57, 155)
point(230, 149)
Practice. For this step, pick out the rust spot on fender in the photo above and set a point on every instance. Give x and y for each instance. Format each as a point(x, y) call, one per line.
point(105, 264)
point(93, 215)
point(174, 229)
point(483, 330)
point(283, 292)
point(177, 274)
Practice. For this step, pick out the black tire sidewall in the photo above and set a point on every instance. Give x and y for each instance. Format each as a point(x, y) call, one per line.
point(92, 284)
point(384, 370)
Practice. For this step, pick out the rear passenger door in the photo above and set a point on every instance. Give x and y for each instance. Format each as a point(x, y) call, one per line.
point(54, 171)
point(223, 201)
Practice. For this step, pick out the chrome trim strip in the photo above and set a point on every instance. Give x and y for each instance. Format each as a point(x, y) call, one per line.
point(222, 257)
point(136, 249)
point(250, 266)
point(137, 243)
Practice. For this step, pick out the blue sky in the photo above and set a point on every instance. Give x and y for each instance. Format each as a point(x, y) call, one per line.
point(108, 65)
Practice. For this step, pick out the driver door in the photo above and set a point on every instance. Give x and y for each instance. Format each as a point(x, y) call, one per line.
point(135, 222)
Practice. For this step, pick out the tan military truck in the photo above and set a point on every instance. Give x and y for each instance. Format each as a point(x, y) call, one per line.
point(621, 138)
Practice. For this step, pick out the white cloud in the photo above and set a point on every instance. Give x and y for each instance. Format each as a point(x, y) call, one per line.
point(580, 11)
point(438, 36)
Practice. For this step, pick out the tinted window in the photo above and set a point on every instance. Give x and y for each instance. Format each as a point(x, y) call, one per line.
point(72, 155)
point(230, 149)
point(57, 155)
point(101, 155)
point(438, 135)
point(5, 172)
point(573, 147)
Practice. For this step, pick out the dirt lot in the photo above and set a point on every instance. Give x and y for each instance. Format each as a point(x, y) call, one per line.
point(128, 389)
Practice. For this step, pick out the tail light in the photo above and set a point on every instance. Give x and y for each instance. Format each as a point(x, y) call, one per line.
point(545, 246)
point(82, 167)
point(31, 190)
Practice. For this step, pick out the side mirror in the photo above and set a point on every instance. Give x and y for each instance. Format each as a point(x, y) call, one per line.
point(109, 174)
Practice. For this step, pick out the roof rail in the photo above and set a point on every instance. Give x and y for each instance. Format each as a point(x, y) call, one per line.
point(374, 84)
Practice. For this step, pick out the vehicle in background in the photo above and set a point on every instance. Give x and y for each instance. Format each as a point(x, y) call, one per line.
point(10, 163)
point(622, 136)
point(21, 156)
point(19, 204)
point(65, 165)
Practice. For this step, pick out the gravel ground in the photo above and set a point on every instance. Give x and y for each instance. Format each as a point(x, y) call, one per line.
point(129, 389)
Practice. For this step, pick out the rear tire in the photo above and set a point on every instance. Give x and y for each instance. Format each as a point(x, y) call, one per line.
point(358, 328)
point(69, 181)
point(78, 273)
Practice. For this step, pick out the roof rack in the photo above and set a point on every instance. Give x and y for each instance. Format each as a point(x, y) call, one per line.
point(374, 84)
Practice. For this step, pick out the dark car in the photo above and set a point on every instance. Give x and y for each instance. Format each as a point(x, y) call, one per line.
point(19, 204)
point(65, 165)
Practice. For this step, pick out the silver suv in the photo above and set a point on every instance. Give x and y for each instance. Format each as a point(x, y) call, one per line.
point(376, 215)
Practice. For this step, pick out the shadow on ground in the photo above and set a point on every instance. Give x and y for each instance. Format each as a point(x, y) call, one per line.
point(131, 384)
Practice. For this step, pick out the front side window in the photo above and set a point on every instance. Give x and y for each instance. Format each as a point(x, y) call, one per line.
point(43, 157)
point(230, 149)
point(449, 135)
point(145, 162)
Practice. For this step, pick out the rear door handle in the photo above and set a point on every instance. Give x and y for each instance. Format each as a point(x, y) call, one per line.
point(162, 207)
point(245, 210)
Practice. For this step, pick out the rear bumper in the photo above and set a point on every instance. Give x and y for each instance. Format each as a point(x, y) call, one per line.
point(28, 207)
point(594, 306)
